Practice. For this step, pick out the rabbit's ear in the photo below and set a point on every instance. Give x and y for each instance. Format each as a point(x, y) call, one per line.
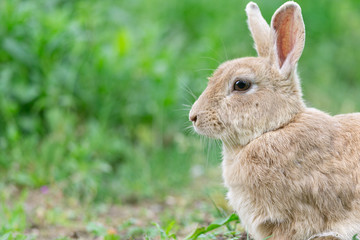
point(259, 28)
point(289, 35)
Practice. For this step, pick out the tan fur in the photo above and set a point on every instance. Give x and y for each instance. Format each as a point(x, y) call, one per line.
point(292, 172)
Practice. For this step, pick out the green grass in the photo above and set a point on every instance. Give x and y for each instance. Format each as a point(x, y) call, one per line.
point(94, 95)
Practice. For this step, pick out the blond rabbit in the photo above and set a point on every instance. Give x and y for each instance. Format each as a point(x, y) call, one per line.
point(292, 172)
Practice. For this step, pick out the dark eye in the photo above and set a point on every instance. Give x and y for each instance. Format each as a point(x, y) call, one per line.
point(242, 85)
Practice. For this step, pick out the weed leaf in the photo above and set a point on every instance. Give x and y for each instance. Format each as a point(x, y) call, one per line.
point(212, 226)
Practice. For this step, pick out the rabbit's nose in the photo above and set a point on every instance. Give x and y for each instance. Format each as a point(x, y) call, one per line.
point(193, 118)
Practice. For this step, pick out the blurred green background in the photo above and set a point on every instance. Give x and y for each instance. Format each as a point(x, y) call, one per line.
point(94, 95)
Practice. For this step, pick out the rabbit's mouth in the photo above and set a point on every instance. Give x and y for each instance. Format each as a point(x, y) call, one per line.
point(209, 126)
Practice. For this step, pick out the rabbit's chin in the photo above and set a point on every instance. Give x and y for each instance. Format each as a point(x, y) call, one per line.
point(230, 139)
point(210, 133)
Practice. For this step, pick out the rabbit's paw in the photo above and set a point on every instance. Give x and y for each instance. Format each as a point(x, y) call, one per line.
point(327, 236)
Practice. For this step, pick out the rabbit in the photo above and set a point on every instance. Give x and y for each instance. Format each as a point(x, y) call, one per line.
point(292, 172)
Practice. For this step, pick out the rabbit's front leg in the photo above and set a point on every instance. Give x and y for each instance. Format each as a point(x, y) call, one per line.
point(272, 231)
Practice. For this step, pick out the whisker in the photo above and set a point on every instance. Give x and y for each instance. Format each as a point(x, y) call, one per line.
point(188, 90)
point(189, 127)
point(218, 142)
point(204, 69)
point(182, 109)
point(224, 47)
point(218, 62)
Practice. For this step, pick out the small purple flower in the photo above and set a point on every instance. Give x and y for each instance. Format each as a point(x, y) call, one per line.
point(44, 189)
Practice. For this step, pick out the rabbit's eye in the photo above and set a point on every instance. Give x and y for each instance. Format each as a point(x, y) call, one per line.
point(242, 85)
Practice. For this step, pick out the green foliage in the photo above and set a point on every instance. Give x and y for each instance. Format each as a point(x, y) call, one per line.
point(165, 233)
point(92, 93)
point(111, 237)
point(15, 236)
point(96, 228)
point(89, 100)
point(12, 217)
point(217, 224)
point(100, 230)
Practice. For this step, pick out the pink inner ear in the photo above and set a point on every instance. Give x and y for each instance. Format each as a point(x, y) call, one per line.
point(286, 31)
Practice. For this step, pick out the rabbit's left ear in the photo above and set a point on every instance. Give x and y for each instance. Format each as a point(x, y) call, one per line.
point(289, 35)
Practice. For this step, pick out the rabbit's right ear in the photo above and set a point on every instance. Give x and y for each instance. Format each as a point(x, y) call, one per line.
point(259, 29)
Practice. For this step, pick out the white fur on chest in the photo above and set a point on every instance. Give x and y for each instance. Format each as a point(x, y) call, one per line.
point(252, 211)
point(245, 208)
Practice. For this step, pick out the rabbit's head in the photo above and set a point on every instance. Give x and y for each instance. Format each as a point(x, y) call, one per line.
point(247, 97)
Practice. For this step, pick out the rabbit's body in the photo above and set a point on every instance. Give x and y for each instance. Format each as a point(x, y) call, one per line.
point(292, 172)
point(299, 180)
